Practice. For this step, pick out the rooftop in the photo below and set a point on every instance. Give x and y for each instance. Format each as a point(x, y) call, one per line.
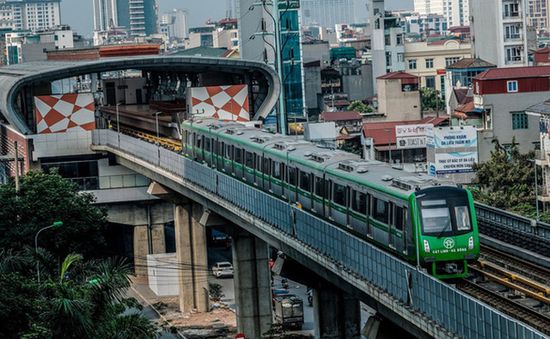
point(383, 133)
point(398, 75)
point(471, 63)
point(514, 73)
point(202, 51)
point(542, 108)
point(341, 116)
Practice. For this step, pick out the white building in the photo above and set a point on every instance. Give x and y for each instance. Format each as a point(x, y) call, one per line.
point(388, 49)
point(174, 24)
point(455, 11)
point(30, 14)
point(105, 14)
point(500, 32)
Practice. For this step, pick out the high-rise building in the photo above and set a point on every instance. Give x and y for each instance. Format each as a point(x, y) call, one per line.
point(500, 32)
point(34, 14)
point(255, 21)
point(175, 23)
point(388, 49)
point(455, 11)
point(105, 14)
point(123, 13)
point(538, 15)
point(143, 17)
point(327, 13)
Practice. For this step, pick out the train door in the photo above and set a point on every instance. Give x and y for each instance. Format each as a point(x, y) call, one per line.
point(391, 226)
point(398, 221)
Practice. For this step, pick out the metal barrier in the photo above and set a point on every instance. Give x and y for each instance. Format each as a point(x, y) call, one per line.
point(514, 229)
point(451, 309)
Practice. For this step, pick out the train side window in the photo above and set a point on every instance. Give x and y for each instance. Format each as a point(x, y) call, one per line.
point(291, 180)
point(319, 187)
point(380, 209)
point(238, 155)
point(339, 195)
point(228, 155)
point(359, 202)
point(267, 167)
point(276, 170)
point(249, 159)
point(199, 141)
point(207, 144)
point(259, 163)
point(305, 181)
point(399, 218)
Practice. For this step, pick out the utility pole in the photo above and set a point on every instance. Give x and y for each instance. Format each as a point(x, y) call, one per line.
point(279, 61)
point(16, 167)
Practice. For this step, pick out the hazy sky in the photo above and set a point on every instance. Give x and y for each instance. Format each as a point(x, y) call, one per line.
point(78, 13)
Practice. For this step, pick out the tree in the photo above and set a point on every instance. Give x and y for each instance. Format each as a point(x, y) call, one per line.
point(507, 179)
point(360, 107)
point(430, 100)
point(82, 299)
point(43, 199)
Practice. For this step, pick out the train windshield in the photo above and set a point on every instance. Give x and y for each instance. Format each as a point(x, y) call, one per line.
point(444, 211)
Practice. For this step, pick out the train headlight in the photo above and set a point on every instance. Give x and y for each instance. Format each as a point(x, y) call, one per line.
point(426, 246)
point(471, 243)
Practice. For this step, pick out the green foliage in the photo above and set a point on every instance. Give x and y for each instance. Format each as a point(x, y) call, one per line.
point(430, 100)
point(215, 292)
point(43, 199)
point(351, 148)
point(80, 296)
point(70, 307)
point(360, 107)
point(507, 179)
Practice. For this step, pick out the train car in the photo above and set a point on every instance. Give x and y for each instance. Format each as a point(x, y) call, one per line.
point(424, 220)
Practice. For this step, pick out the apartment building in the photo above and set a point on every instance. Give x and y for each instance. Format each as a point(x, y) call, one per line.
point(455, 11)
point(429, 59)
point(502, 96)
point(500, 32)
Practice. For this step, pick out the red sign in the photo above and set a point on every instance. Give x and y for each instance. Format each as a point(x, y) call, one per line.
point(441, 72)
point(240, 336)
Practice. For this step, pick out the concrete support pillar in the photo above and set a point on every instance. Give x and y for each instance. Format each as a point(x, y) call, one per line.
point(337, 315)
point(192, 259)
point(147, 240)
point(252, 284)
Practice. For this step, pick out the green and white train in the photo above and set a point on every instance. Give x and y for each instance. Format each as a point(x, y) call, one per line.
point(417, 217)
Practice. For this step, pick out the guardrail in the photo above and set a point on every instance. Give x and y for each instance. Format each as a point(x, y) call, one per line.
point(453, 310)
point(514, 229)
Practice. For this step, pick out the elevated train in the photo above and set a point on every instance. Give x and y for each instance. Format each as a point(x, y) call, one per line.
point(416, 217)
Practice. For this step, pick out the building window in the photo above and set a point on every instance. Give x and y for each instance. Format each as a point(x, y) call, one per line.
point(512, 86)
point(450, 61)
point(388, 59)
point(399, 39)
point(430, 82)
point(519, 120)
point(412, 64)
point(429, 63)
point(400, 57)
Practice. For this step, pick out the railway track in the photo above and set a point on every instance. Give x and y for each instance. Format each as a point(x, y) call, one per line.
point(509, 306)
point(514, 286)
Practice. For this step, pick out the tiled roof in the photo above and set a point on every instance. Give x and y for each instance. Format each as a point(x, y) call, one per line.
point(397, 75)
point(341, 116)
point(383, 133)
point(514, 73)
point(471, 63)
point(463, 95)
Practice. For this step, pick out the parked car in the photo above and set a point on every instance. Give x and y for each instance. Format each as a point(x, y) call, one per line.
point(222, 269)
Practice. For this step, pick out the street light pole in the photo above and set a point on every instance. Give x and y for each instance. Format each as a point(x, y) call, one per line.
point(158, 134)
point(118, 123)
point(537, 191)
point(56, 224)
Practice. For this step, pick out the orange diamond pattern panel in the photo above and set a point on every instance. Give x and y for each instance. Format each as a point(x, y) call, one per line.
point(228, 103)
point(60, 113)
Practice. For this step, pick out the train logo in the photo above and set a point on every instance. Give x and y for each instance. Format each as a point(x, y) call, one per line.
point(449, 243)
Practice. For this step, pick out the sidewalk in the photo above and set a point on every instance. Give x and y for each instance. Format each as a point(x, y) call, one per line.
point(218, 323)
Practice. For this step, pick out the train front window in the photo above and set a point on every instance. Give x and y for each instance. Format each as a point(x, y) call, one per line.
point(462, 218)
point(444, 211)
point(435, 218)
